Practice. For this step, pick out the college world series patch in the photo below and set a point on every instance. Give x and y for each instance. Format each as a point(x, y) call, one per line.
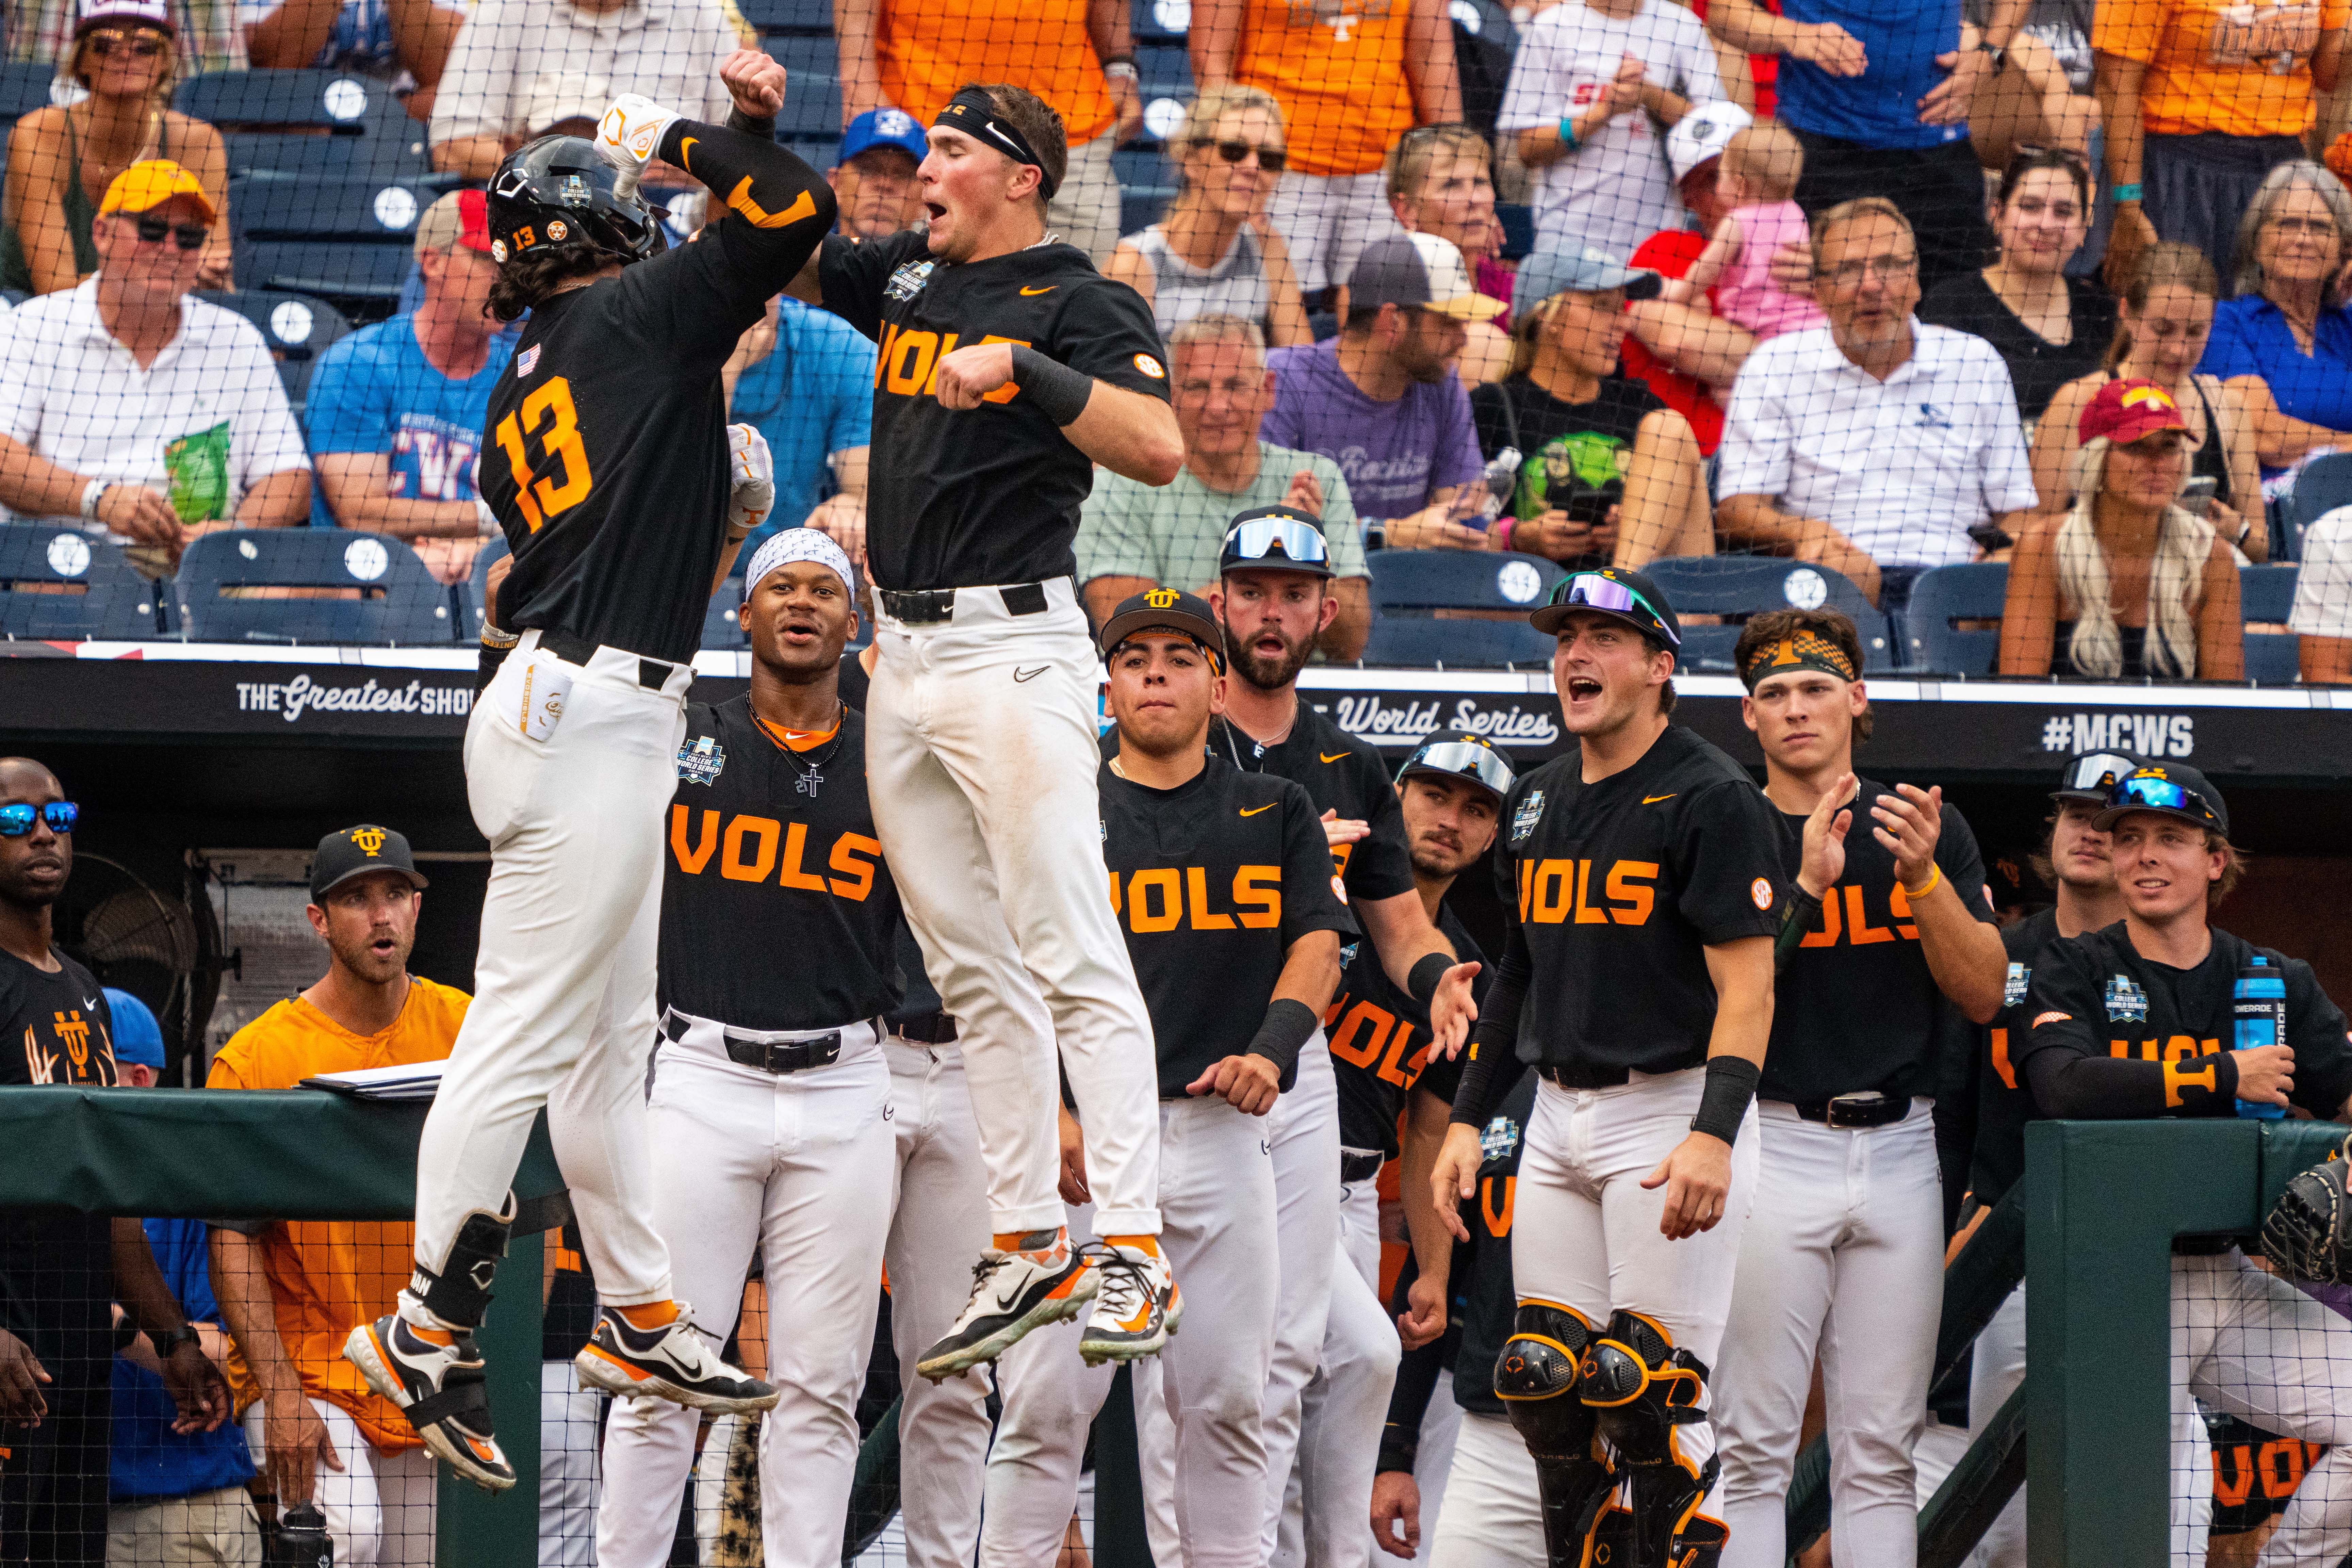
point(1523, 822)
point(2014, 985)
point(2127, 1002)
point(701, 761)
point(1498, 1139)
point(908, 281)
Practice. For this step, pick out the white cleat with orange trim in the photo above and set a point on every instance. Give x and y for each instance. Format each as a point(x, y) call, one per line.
point(1137, 1308)
point(675, 1362)
point(435, 1375)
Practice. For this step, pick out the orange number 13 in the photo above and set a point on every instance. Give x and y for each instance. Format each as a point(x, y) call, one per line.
point(548, 415)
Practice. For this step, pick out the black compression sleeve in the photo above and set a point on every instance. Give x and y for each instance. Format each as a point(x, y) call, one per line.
point(763, 126)
point(1494, 1041)
point(1416, 1380)
point(2071, 1086)
point(1288, 1025)
point(1797, 918)
point(787, 208)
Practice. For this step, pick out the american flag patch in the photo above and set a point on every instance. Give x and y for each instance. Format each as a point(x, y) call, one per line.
point(526, 361)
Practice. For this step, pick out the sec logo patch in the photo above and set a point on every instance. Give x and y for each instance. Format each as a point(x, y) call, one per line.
point(1150, 367)
point(1761, 891)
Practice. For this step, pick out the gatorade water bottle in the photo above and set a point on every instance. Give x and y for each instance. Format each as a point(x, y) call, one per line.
point(2258, 1005)
point(302, 1540)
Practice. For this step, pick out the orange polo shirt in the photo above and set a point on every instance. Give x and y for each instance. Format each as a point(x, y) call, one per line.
point(928, 49)
point(328, 1277)
point(1337, 67)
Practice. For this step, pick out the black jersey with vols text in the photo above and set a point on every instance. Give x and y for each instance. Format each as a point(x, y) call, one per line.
point(777, 910)
point(604, 450)
point(1212, 881)
point(1339, 774)
point(1487, 1302)
point(2096, 996)
point(1613, 891)
point(57, 1268)
point(1380, 1039)
point(2004, 1101)
point(987, 495)
point(1855, 1008)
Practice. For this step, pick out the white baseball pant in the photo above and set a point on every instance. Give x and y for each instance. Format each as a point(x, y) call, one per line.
point(786, 1163)
point(1491, 1517)
point(1586, 1236)
point(937, 1203)
point(1842, 1258)
point(981, 756)
point(1303, 1130)
point(2249, 1342)
point(380, 1508)
point(1346, 1405)
point(1217, 1204)
point(570, 1467)
point(563, 985)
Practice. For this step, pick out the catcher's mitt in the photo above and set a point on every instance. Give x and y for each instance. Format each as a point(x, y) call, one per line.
point(2309, 1232)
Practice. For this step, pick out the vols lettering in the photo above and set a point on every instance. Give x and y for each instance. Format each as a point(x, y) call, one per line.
point(551, 406)
point(748, 848)
point(1854, 927)
point(1359, 1037)
point(1153, 902)
point(1559, 892)
point(909, 364)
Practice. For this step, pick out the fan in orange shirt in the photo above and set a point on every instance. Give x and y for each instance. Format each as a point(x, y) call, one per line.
point(292, 1290)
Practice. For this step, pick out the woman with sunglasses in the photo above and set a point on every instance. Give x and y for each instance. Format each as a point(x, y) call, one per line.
point(61, 160)
point(1214, 252)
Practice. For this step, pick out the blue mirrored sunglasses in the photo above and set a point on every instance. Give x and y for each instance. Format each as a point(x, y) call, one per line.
point(15, 821)
point(1592, 591)
point(2160, 794)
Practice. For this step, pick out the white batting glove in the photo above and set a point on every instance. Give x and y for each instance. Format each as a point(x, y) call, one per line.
point(630, 134)
point(752, 470)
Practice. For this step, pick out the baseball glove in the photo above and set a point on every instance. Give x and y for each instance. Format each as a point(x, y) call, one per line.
point(2308, 1235)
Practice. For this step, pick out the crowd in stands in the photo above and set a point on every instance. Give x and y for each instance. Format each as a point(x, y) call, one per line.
point(1844, 292)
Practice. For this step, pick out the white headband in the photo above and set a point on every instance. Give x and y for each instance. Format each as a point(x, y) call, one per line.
point(790, 544)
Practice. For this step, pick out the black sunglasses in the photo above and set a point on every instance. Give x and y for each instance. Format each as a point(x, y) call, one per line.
point(186, 235)
point(142, 45)
point(1270, 159)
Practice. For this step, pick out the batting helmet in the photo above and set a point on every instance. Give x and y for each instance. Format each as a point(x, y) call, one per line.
point(559, 191)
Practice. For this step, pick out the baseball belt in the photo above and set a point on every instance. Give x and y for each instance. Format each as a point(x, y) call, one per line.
point(929, 607)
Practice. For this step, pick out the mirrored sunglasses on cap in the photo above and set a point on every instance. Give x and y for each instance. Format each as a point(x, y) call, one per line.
point(2096, 773)
point(1462, 759)
point(15, 821)
point(2147, 792)
point(1591, 591)
point(1258, 539)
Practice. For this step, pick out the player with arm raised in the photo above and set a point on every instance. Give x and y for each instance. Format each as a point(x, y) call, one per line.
point(607, 462)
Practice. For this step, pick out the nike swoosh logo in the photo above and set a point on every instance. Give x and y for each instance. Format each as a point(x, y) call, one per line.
point(1031, 674)
point(685, 153)
point(1048, 289)
point(1334, 757)
point(1254, 810)
point(1653, 799)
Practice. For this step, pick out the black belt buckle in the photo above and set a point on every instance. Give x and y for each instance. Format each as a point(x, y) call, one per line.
point(1360, 1164)
point(1580, 1076)
point(652, 674)
point(782, 1056)
point(931, 1028)
point(1875, 1108)
point(919, 606)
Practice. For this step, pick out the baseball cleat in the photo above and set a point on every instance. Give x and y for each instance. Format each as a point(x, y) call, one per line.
point(674, 1362)
point(435, 1375)
point(1137, 1309)
point(1044, 1281)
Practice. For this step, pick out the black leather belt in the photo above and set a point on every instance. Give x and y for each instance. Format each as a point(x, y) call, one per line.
point(932, 1028)
point(782, 1056)
point(1359, 1166)
point(1583, 1075)
point(1872, 1110)
point(929, 606)
point(652, 674)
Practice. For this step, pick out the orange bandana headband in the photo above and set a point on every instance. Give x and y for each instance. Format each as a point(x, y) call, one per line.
point(1798, 650)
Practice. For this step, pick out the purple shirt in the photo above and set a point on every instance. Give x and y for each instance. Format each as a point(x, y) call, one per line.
point(1393, 454)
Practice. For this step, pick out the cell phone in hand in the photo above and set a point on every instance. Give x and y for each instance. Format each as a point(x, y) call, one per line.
point(2197, 495)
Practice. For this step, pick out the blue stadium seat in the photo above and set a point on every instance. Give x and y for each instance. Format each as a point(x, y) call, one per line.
point(1944, 594)
point(808, 17)
point(311, 123)
point(2266, 595)
point(819, 152)
point(1749, 584)
point(1162, 21)
point(1489, 20)
point(297, 328)
point(1518, 230)
point(366, 212)
point(363, 281)
point(478, 583)
point(79, 587)
point(1409, 587)
point(1455, 644)
point(2319, 489)
point(1139, 209)
point(721, 626)
point(812, 97)
point(1166, 70)
point(24, 88)
point(398, 602)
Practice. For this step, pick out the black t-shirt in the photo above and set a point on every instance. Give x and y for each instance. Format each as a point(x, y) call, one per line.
point(990, 495)
point(1380, 1039)
point(1573, 455)
point(2096, 996)
point(2004, 1101)
point(1616, 889)
point(777, 910)
point(56, 1267)
point(1212, 881)
point(1489, 1302)
point(604, 450)
point(2037, 368)
point(1855, 1008)
point(1339, 774)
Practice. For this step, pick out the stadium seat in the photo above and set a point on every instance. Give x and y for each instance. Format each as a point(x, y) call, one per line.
point(1487, 20)
point(79, 587)
point(24, 88)
point(366, 212)
point(808, 18)
point(478, 583)
point(1455, 644)
point(399, 601)
point(819, 152)
point(1139, 209)
point(363, 281)
point(1518, 230)
point(311, 123)
point(2319, 489)
point(812, 100)
point(2266, 595)
point(1944, 594)
point(722, 626)
point(1749, 584)
point(1162, 21)
point(1409, 587)
point(297, 328)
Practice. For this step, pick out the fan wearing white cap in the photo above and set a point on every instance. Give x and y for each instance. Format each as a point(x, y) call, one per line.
point(767, 1111)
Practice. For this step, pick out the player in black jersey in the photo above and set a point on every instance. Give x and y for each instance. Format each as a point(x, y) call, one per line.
point(1008, 368)
point(1223, 883)
point(608, 463)
point(1640, 874)
point(1272, 598)
point(2136, 1021)
point(1848, 1224)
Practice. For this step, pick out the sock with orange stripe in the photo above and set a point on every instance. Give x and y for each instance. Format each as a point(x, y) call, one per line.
point(1149, 1244)
point(1024, 1240)
point(649, 1314)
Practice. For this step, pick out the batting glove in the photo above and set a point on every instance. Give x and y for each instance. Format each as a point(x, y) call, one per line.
point(753, 473)
point(630, 135)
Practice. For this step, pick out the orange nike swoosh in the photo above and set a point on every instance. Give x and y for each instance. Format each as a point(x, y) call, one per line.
point(1254, 810)
point(1048, 289)
point(1653, 799)
point(1333, 757)
point(685, 150)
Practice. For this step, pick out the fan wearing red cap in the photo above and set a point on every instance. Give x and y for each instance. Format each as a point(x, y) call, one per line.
point(2128, 583)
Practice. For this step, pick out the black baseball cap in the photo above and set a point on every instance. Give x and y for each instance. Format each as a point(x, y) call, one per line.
point(1463, 754)
point(355, 852)
point(1275, 539)
point(2091, 776)
point(2168, 789)
point(1627, 596)
point(1165, 610)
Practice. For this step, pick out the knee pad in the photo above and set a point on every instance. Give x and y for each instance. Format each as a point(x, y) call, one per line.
point(1641, 1389)
point(1536, 1378)
point(458, 1293)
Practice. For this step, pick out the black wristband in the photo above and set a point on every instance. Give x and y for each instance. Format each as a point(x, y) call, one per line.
point(1796, 918)
point(1058, 392)
point(166, 1340)
point(1431, 968)
point(1730, 1085)
point(1288, 1025)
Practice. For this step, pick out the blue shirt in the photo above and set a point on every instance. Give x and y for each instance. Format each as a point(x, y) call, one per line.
point(374, 391)
point(1880, 108)
point(2250, 337)
point(811, 397)
point(150, 1459)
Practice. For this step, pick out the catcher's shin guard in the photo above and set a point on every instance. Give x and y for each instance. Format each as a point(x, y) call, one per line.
point(1640, 1389)
point(1536, 1378)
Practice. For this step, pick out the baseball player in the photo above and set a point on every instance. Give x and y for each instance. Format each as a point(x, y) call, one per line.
point(769, 1088)
point(1842, 1260)
point(1271, 599)
point(1213, 872)
point(1008, 368)
point(1639, 874)
point(2131, 1021)
point(608, 463)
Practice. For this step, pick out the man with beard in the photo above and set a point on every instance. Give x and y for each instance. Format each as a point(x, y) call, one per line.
point(1273, 596)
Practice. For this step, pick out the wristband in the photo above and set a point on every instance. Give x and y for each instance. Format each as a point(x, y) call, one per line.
point(1059, 392)
point(1730, 1084)
point(1121, 58)
point(1288, 1025)
point(91, 494)
point(1796, 922)
point(2126, 193)
point(1117, 69)
point(1427, 970)
point(1568, 132)
point(171, 1340)
point(1915, 894)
